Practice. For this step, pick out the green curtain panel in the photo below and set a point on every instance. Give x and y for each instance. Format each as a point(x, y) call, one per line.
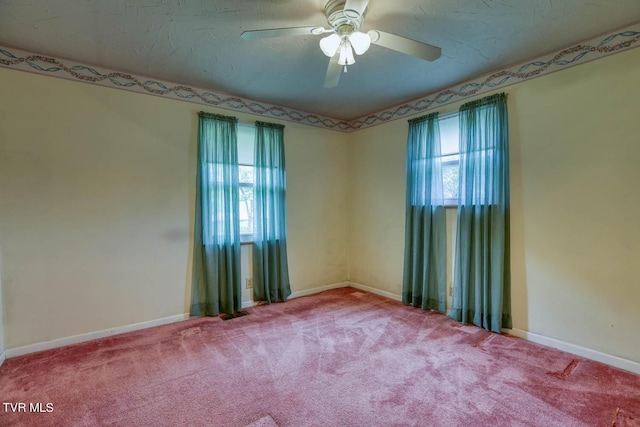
point(424, 278)
point(481, 287)
point(216, 254)
point(270, 267)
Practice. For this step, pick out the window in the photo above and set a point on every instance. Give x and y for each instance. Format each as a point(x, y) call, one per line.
point(246, 139)
point(450, 151)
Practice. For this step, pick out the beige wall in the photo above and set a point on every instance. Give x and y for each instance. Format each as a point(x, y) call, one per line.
point(574, 205)
point(1, 311)
point(97, 206)
point(574, 173)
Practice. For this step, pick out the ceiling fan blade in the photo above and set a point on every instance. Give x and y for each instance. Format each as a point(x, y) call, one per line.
point(283, 32)
point(404, 45)
point(334, 69)
point(355, 8)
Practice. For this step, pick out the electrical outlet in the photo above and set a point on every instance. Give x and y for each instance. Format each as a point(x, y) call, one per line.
point(450, 289)
point(248, 283)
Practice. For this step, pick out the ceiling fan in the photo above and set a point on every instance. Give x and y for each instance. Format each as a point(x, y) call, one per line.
point(345, 18)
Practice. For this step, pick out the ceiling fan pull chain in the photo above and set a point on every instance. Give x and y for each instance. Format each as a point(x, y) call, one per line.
point(345, 68)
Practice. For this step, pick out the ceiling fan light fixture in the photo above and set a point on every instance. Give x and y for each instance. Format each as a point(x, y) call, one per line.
point(360, 42)
point(330, 44)
point(346, 54)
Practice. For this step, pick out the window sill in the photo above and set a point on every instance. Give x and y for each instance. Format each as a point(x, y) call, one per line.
point(246, 239)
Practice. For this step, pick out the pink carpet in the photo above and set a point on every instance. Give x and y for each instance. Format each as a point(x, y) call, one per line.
point(340, 358)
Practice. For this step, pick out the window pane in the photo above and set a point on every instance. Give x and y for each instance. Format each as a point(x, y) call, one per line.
point(246, 137)
point(449, 135)
point(450, 171)
point(449, 140)
point(246, 209)
point(245, 174)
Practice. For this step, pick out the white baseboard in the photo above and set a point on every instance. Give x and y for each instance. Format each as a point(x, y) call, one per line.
point(375, 291)
point(305, 292)
point(608, 359)
point(75, 339)
point(247, 304)
point(605, 358)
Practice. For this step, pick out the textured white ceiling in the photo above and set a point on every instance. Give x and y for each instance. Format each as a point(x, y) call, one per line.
point(197, 42)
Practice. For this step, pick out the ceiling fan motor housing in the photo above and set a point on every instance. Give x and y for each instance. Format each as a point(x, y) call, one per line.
point(334, 10)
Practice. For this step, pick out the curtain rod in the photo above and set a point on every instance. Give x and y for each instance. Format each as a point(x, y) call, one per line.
point(456, 112)
point(448, 115)
point(440, 116)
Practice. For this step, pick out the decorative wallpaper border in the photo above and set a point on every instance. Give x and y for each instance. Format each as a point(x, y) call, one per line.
point(595, 48)
point(46, 65)
point(598, 47)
